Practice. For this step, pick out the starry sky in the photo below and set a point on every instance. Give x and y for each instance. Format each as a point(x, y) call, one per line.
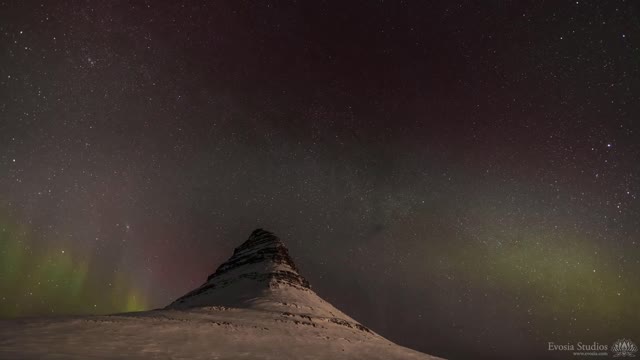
point(462, 177)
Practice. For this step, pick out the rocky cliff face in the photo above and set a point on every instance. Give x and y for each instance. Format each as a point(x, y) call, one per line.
point(259, 269)
point(264, 247)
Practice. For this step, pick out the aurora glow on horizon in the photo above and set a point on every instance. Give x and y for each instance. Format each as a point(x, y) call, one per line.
point(475, 167)
point(45, 280)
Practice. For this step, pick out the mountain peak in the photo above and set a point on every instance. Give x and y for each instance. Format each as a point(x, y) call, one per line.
point(259, 271)
point(257, 237)
point(271, 256)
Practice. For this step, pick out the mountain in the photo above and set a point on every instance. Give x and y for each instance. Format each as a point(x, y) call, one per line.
point(261, 276)
point(256, 305)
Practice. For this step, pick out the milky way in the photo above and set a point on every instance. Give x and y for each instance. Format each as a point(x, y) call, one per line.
point(461, 178)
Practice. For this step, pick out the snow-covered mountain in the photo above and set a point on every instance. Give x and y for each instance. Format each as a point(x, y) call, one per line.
point(262, 276)
point(254, 306)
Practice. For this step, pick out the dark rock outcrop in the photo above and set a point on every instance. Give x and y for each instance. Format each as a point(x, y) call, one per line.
point(263, 259)
point(263, 246)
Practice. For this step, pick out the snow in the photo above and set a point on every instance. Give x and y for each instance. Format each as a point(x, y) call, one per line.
point(243, 292)
point(197, 333)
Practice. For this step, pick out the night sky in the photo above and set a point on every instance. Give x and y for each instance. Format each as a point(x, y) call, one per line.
point(462, 178)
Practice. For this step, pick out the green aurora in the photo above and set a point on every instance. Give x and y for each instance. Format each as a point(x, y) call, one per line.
point(55, 280)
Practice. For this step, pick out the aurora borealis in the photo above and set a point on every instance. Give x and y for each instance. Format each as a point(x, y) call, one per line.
point(40, 279)
point(461, 177)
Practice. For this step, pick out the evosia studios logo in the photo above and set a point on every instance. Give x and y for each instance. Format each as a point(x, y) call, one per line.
point(620, 348)
point(623, 348)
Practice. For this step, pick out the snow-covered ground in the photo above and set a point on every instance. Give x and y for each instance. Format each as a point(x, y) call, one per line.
point(198, 333)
